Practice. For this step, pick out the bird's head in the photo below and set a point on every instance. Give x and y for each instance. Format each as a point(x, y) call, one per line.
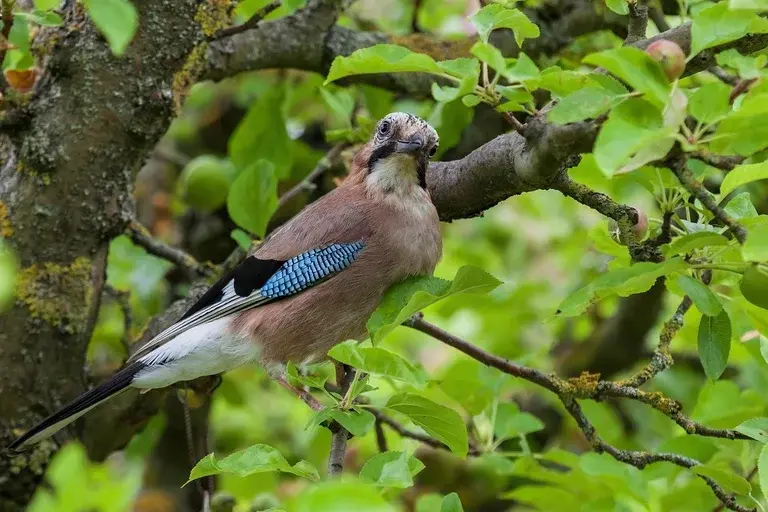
point(399, 152)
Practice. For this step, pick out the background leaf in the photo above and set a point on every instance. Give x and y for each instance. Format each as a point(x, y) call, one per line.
point(253, 197)
point(439, 421)
point(714, 343)
point(116, 19)
point(256, 459)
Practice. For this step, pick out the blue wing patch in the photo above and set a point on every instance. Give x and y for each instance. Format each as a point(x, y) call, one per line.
point(309, 268)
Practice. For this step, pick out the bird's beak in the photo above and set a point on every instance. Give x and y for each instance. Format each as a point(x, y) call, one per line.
point(409, 146)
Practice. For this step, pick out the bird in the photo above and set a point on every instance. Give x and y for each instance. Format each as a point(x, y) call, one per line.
point(310, 285)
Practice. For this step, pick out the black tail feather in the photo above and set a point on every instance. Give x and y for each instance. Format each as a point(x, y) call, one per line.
point(79, 406)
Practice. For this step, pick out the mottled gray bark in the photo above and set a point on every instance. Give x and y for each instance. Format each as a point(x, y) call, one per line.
point(66, 167)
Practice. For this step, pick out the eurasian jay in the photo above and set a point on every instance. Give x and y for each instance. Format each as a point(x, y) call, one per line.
point(312, 284)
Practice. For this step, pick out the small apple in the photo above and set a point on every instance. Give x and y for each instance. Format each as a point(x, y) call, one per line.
point(206, 181)
point(670, 56)
point(640, 229)
point(754, 286)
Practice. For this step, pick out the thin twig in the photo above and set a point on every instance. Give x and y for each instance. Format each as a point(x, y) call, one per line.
point(249, 24)
point(641, 459)
point(697, 190)
point(516, 124)
point(742, 87)
point(142, 237)
point(381, 440)
point(308, 183)
point(638, 22)
point(749, 477)
point(397, 427)
point(726, 163)
point(344, 376)
point(589, 386)
point(723, 75)
point(657, 16)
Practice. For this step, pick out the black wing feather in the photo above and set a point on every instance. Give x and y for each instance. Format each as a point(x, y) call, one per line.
point(248, 276)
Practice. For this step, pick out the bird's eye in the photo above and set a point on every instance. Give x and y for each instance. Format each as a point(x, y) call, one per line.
point(433, 151)
point(384, 127)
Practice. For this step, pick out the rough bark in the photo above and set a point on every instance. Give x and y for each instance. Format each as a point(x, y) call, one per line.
point(65, 181)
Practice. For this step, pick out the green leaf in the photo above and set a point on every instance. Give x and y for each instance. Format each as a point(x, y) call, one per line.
point(743, 174)
point(754, 286)
point(523, 69)
point(252, 197)
point(618, 6)
point(756, 428)
point(756, 246)
point(8, 267)
point(437, 420)
point(701, 295)
point(742, 132)
point(730, 481)
point(741, 207)
point(490, 55)
point(116, 19)
point(746, 66)
point(623, 282)
point(714, 343)
point(511, 422)
point(341, 103)
point(378, 362)
point(47, 5)
point(470, 100)
point(762, 469)
point(636, 68)
point(42, 18)
point(415, 293)
point(688, 243)
point(449, 119)
point(585, 103)
point(710, 102)
point(262, 134)
point(337, 496)
point(451, 503)
point(495, 16)
point(632, 127)
point(381, 58)
point(259, 458)
point(391, 469)
point(243, 239)
point(717, 24)
point(313, 381)
point(359, 423)
point(20, 57)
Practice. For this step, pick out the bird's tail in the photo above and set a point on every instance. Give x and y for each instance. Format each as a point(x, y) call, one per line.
point(79, 406)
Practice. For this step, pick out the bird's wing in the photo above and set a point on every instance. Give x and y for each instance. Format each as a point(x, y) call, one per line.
point(257, 281)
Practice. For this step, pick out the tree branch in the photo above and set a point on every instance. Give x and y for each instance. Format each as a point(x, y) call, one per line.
point(143, 238)
point(697, 190)
point(638, 22)
point(589, 386)
point(344, 378)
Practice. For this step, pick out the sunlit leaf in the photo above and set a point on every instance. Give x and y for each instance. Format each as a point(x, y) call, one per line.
point(756, 246)
point(337, 496)
point(741, 132)
point(451, 503)
point(495, 16)
point(710, 102)
point(381, 58)
point(377, 361)
point(742, 175)
point(585, 103)
point(359, 423)
point(717, 24)
point(687, 243)
point(756, 428)
point(511, 422)
point(416, 293)
point(636, 68)
point(259, 458)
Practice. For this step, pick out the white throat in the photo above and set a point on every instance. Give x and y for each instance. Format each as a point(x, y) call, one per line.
point(396, 174)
